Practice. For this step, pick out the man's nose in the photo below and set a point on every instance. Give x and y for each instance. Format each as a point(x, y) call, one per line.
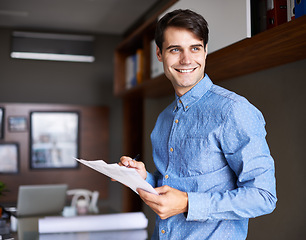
point(185, 58)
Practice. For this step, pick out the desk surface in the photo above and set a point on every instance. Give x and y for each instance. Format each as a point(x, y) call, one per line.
point(107, 235)
point(28, 230)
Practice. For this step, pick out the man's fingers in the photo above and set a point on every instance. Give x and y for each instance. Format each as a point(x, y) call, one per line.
point(131, 163)
point(150, 199)
point(155, 202)
point(146, 196)
point(124, 161)
point(143, 193)
point(162, 190)
point(128, 162)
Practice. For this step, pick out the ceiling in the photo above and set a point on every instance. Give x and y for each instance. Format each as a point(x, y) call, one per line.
point(85, 16)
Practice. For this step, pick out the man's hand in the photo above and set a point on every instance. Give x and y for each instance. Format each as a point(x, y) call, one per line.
point(139, 166)
point(168, 203)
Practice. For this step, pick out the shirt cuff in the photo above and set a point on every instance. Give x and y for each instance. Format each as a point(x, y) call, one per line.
point(150, 179)
point(198, 206)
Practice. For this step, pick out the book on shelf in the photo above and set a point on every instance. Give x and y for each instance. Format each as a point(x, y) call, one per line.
point(276, 12)
point(134, 69)
point(266, 14)
point(290, 10)
point(130, 78)
point(139, 65)
point(300, 8)
point(258, 16)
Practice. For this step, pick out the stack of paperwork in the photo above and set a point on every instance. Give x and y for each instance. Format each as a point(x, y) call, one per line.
point(127, 176)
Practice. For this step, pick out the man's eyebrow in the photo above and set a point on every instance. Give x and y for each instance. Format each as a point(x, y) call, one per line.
point(173, 46)
point(197, 45)
point(178, 46)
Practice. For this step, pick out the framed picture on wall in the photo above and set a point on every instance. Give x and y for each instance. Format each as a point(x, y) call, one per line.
point(9, 158)
point(17, 124)
point(1, 122)
point(54, 140)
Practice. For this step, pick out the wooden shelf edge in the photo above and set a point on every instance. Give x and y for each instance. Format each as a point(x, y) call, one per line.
point(151, 88)
point(274, 47)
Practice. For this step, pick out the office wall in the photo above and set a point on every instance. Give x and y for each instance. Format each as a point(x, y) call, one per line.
point(33, 81)
point(93, 142)
point(280, 94)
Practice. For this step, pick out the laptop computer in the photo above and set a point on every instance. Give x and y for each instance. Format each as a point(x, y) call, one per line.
point(38, 200)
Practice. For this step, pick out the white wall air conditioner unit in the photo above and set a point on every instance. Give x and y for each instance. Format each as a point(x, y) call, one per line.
point(51, 46)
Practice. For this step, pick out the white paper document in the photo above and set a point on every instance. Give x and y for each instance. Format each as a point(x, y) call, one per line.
point(127, 176)
point(90, 223)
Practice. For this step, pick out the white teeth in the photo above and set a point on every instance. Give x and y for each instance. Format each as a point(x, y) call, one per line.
point(186, 71)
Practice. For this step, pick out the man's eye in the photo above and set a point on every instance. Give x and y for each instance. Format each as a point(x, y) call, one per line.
point(196, 49)
point(174, 50)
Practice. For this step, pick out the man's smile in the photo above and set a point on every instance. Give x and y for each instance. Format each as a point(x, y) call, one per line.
point(185, 70)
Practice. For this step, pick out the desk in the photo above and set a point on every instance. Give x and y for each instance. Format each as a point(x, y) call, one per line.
point(28, 230)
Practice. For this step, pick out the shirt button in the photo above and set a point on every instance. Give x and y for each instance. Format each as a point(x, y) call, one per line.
point(180, 101)
point(163, 231)
point(171, 149)
point(176, 121)
point(167, 176)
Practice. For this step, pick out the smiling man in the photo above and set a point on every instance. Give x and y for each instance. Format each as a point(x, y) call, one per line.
point(214, 168)
point(183, 55)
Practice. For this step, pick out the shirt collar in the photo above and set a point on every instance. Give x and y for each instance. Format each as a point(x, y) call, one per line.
point(194, 94)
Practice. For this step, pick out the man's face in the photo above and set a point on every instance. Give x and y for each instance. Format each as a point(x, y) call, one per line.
point(183, 56)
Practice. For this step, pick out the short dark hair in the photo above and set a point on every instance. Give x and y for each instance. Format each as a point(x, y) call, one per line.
point(183, 19)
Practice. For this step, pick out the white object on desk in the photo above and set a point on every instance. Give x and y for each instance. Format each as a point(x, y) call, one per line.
point(84, 201)
point(89, 223)
point(127, 176)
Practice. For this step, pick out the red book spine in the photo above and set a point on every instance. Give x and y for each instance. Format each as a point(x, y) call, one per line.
point(278, 14)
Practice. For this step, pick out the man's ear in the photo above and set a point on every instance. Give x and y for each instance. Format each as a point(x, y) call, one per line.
point(206, 50)
point(158, 54)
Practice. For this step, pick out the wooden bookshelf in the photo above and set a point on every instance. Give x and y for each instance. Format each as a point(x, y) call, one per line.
point(274, 47)
point(277, 46)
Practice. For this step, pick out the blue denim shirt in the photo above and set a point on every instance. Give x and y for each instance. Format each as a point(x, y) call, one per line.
point(211, 144)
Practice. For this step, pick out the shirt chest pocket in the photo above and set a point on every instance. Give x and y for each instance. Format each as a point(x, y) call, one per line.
point(198, 156)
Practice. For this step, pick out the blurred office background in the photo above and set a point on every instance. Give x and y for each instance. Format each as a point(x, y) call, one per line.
point(279, 92)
